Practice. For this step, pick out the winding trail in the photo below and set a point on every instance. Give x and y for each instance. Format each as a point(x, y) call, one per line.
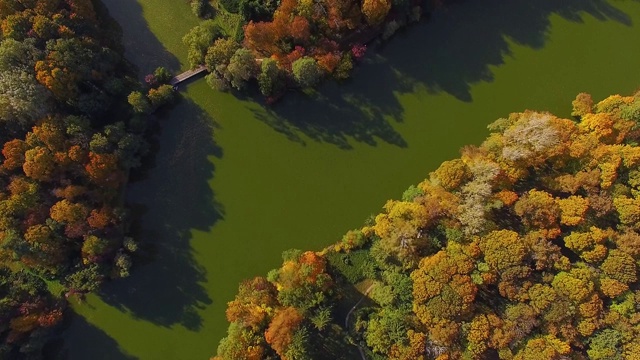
point(346, 319)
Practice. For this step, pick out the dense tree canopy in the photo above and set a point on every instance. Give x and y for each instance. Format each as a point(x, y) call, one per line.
point(526, 247)
point(66, 153)
point(304, 40)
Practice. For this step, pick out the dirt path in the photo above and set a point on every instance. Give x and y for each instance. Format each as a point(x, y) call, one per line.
point(346, 319)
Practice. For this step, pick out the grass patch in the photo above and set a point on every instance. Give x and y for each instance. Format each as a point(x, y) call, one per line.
point(354, 266)
point(230, 23)
point(55, 288)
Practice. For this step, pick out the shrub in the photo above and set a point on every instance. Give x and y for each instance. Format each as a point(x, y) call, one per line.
point(306, 72)
point(162, 75)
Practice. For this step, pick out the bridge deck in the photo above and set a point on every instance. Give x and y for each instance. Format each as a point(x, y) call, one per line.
point(188, 75)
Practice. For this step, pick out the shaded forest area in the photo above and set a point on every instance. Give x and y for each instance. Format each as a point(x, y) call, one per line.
point(525, 247)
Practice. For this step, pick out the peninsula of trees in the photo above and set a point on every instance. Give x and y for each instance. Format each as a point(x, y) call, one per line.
point(525, 247)
point(291, 43)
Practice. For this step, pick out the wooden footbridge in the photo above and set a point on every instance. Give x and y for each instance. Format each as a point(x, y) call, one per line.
point(188, 75)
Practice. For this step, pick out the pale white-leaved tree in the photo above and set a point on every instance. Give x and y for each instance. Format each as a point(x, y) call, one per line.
point(472, 211)
point(531, 135)
point(22, 99)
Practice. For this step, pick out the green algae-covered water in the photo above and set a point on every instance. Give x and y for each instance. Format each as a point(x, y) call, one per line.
point(234, 183)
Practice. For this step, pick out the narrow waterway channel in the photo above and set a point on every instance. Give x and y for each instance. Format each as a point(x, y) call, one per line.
point(234, 183)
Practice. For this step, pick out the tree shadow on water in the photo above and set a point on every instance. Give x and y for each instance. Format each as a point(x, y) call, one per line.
point(83, 331)
point(141, 45)
point(165, 286)
point(334, 115)
point(460, 44)
point(446, 54)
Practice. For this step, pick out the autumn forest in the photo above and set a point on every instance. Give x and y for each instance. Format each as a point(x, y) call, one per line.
point(69, 140)
point(525, 247)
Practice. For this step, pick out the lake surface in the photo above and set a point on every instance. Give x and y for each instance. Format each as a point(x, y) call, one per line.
point(234, 183)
